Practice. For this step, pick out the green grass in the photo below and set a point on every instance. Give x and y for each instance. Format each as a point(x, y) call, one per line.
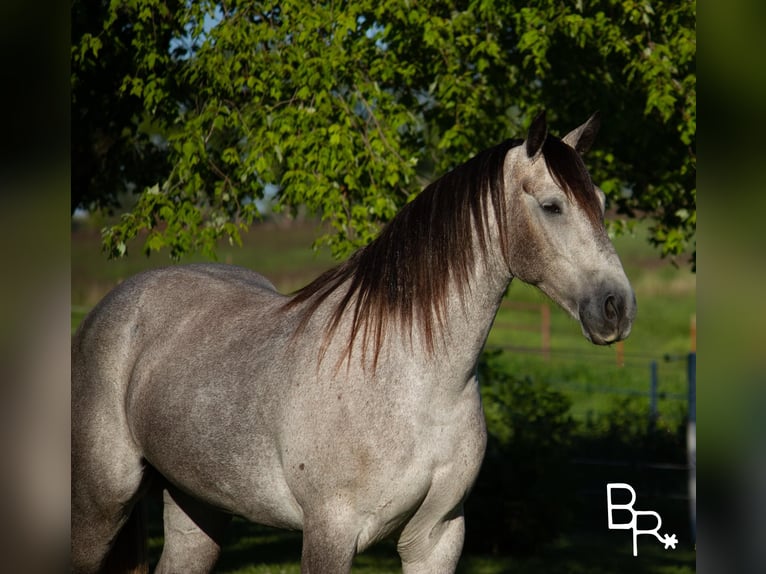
point(254, 549)
point(281, 252)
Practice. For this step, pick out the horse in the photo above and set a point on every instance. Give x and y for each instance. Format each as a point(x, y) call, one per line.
point(350, 409)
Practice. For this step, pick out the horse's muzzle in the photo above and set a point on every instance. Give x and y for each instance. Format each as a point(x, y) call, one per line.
point(608, 318)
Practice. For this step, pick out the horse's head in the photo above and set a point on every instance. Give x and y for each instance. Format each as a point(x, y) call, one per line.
point(558, 240)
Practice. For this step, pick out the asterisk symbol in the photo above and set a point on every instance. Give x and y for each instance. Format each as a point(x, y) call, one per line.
point(670, 541)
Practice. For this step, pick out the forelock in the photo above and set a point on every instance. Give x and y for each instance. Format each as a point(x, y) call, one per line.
point(568, 170)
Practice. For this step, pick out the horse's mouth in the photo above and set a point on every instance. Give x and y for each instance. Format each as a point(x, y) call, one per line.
point(604, 339)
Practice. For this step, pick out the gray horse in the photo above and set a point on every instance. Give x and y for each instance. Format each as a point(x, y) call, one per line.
point(349, 410)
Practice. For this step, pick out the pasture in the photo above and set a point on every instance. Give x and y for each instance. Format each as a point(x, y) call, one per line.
point(593, 378)
point(256, 549)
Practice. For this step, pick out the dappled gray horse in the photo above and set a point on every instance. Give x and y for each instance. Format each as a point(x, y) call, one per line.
point(349, 410)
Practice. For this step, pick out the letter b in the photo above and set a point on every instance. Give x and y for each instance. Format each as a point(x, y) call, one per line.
point(610, 506)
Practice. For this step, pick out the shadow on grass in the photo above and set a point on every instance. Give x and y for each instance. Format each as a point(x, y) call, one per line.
point(599, 553)
point(255, 549)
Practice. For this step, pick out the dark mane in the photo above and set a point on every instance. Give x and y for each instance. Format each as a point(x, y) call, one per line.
point(404, 275)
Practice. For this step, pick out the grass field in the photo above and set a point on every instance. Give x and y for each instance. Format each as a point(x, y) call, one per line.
point(590, 375)
point(254, 549)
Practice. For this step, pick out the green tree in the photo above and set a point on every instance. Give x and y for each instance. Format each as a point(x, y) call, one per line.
point(112, 126)
point(349, 107)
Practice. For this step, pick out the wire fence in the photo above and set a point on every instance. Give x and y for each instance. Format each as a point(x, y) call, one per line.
point(662, 386)
point(590, 376)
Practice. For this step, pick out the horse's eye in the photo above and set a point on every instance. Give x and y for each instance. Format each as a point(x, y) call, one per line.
point(552, 208)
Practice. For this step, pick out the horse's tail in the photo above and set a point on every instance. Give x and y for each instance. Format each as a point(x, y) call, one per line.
point(128, 554)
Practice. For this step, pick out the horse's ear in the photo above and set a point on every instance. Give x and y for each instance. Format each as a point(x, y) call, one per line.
point(582, 138)
point(538, 131)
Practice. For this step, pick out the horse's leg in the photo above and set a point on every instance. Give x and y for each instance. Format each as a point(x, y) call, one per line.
point(106, 529)
point(436, 551)
point(328, 545)
point(193, 534)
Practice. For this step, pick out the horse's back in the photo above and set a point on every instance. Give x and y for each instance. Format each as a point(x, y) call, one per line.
point(151, 310)
point(153, 300)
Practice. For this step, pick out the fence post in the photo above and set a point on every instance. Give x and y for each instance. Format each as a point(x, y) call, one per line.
point(545, 327)
point(691, 441)
point(653, 395)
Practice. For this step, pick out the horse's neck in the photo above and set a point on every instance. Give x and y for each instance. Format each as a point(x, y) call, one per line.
point(470, 313)
point(444, 347)
point(458, 332)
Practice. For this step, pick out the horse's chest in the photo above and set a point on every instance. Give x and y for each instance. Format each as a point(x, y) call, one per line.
point(435, 451)
point(445, 452)
point(382, 456)
point(453, 440)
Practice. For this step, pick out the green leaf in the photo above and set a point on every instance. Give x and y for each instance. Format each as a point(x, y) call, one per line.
point(351, 108)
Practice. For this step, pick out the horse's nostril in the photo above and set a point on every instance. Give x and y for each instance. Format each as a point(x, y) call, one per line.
point(611, 305)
